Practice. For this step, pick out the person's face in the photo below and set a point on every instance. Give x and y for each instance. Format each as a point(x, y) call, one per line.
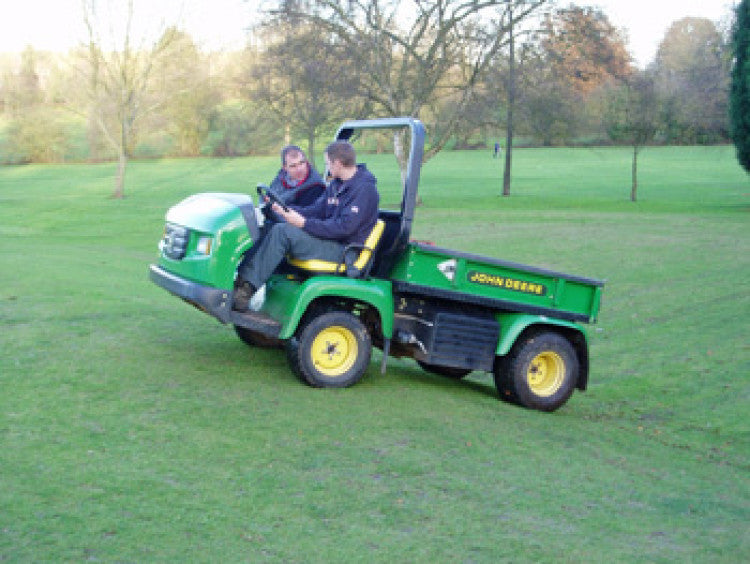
point(334, 167)
point(295, 166)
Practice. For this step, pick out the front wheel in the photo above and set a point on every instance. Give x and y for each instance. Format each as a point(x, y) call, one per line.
point(331, 351)
point(540, 372)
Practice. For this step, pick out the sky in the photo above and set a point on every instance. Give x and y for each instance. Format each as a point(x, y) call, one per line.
point(57, 25)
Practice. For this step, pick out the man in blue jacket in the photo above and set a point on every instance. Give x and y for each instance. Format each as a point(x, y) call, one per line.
point(345, 213)
point(297, 183)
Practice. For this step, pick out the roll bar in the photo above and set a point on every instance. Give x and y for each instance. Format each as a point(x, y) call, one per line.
point(399, 240)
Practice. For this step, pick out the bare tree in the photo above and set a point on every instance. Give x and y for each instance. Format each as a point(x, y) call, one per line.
point(413, 54)
point(509, 114)
point(118, 81)
point(633, 117)
point(294, 77)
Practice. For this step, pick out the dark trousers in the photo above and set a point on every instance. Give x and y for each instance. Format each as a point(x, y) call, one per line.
point(281, 240)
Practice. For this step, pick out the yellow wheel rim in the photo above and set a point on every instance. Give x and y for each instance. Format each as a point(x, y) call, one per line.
point(334, 351)
point(546, 373)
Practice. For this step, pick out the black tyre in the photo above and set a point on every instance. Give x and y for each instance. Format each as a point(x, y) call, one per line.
point(255, 339)
point(447, 371)
point(540, 372)
point(330, 351)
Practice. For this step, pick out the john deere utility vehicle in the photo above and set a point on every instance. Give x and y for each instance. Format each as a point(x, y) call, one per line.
point(452, 312)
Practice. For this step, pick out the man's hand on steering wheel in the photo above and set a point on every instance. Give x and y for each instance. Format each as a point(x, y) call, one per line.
point(279, 207)
point(265, 193)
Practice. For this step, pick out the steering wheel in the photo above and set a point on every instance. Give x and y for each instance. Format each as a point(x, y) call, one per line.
point(265, 192)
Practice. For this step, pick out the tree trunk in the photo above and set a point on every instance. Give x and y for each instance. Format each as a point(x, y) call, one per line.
point(634, 186)
point(311, 149)
point(511, 101)
point(120, 180)
point(399, 151)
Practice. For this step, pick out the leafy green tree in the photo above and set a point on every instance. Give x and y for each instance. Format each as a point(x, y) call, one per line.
point(740, 92)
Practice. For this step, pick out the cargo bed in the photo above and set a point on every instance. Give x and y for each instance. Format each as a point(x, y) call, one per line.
point(498, 284)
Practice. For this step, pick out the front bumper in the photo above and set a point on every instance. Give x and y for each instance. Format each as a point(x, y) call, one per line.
point(214, 301)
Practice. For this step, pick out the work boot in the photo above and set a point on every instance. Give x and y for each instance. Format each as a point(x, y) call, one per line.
point(243, 292)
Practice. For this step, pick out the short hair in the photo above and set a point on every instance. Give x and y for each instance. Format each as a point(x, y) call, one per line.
point(291, 149)
point(343, 152)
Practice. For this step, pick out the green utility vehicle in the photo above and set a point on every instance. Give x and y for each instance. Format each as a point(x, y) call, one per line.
point(451, 311)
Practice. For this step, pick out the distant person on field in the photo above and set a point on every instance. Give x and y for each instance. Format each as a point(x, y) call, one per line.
point(497, 150)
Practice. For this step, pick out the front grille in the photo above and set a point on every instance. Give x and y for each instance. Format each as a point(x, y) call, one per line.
point(174, 243)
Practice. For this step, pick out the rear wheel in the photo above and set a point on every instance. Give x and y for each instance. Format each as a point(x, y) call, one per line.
point(331, 351)
point(256, 339)
point(447, 371)
point(540, 372)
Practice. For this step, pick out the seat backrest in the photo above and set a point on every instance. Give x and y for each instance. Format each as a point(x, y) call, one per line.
point(390, 246)
point(371, 242)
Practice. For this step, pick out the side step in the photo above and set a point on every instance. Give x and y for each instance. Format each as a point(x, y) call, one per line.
point(257, 321)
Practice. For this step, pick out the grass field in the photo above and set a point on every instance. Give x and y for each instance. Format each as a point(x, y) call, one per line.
point(135, 429)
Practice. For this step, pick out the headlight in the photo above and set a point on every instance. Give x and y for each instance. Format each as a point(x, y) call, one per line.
point(204, 245)
point(175, 240)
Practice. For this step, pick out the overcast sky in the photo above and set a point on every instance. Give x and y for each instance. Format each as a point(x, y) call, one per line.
point(57, 24)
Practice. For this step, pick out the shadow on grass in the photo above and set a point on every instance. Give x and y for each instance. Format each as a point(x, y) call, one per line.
point(403, 368)
point(217, 355)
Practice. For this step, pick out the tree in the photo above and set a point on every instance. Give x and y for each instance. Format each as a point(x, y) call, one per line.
point(509, 114)
point(118, 82)
point(584, 49)
point(549, 108)
point(692, 76)
point(302, 92)
point(35, 132)
point(241, 128)
point(577, 53)
point(740, 93)
point(184, 83)
point(26, 91)
point(562, 68)
point(413, 55)
point(632, 117)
